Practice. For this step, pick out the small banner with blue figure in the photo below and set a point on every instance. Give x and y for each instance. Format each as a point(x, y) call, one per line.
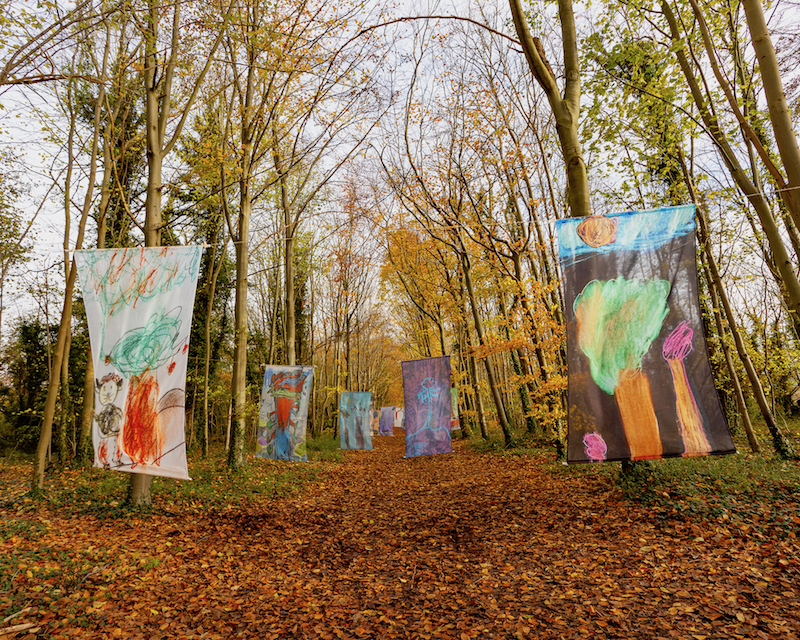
point(354, 420)
point(426, 390)
point(639, 380)
point(284, 413)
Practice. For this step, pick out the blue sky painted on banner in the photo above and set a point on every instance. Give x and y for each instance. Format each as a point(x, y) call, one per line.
point(638, 231)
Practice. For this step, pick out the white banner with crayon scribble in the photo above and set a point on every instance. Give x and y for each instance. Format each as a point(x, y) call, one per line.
point(139, 310)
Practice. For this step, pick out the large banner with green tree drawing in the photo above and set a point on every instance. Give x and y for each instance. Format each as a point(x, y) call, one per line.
point(283, 414)
point(139, 309)
point(640, 383)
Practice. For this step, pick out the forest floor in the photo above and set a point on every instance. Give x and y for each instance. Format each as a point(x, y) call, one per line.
point(464, 545)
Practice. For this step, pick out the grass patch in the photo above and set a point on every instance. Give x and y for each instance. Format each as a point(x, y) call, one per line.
point(324, 448)
point(758, 491)
point(748, 490)
point(104, 494)
point(522, 445)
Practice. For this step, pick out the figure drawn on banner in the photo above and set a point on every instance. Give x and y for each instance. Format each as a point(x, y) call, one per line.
point(109, 420)
point(284, 413)
point(354, 421)
point(640, 384)
point(426, 391)
point(374, 421)
point(139, 306)
point(386, 422)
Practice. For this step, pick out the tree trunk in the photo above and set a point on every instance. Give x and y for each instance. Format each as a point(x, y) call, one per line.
point(718, 288)
point(779, 112)
point(752, 439)
point(84, 452)
point(289, 228)
point(66, 313)
point(139, 487)
point(781, 257)
point(566, 109)
point(495, 391)
point(239, 381)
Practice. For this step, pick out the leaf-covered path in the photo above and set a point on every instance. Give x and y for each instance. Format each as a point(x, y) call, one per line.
point(454, 546)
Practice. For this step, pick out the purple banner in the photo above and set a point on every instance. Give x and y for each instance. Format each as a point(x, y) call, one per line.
point(386, 422)
point(640, 383)
point(426, 389)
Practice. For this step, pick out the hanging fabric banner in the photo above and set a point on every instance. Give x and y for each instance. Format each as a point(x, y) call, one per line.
point(454, 424)
point(399, 418)
point(139, 305)
point(354, 421)
point(374, 421)
point(386, 422)
point(426, 391)
point(640, 383)
point(283, 414)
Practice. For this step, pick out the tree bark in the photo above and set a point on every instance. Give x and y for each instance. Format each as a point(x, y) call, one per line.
point(493, 388)
point(565, 109)
point(66, 313)
point(779, 112)
point(771, 230)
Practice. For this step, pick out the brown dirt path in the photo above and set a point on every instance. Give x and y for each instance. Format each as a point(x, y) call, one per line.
point(452, 546)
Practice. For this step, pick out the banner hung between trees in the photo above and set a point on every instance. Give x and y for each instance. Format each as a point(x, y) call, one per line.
point(386, 422)
point(354, 420)
point(640, 383)
point(283, 414)
point(374, 421)
point(139, 309)
point(426, 393)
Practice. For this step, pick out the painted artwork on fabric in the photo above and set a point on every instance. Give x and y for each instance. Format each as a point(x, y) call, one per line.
point(354, 420)
point(283, 414)
point(386, 422)
point(640, 384)
point(374, 421)
point(139, 305)
point(454, 423)
point(399, 418)
point(426, 392)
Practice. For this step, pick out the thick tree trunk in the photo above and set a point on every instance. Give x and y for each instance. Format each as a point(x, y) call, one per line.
point(771, 230)
point(566, 109)
point(84, 452)
point(239, 381)
point(139, 487)
point(779, 112)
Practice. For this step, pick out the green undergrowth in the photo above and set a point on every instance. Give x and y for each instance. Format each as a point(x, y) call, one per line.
point(752, 490)
point(755, 491)
point(522, 445)
point(213, 485)
point(324, 448)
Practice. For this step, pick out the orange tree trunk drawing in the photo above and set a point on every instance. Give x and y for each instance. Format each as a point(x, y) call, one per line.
point(617, 321)
point(678, 345)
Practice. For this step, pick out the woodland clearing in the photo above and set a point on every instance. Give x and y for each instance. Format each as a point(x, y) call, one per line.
point(366, 544)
